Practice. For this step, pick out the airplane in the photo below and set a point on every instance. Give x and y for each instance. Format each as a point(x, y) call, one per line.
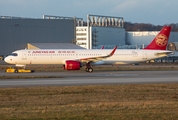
point(74, 59)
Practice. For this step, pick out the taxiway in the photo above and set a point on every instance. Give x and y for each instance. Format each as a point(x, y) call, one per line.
point(82, 78)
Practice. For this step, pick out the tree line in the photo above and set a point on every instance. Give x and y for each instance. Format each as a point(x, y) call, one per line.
point(147, 27)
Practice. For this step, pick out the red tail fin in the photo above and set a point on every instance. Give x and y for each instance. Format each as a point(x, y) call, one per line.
point(161, 40)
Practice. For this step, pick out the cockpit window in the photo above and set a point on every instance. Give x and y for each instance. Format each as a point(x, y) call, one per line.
point(14, 54)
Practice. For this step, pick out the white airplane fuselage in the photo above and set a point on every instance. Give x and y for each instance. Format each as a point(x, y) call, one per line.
point(59, 56)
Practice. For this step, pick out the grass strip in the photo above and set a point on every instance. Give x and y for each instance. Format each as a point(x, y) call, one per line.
point(97, 102)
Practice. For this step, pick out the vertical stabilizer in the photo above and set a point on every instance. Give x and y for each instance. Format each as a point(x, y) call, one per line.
point(161, 40)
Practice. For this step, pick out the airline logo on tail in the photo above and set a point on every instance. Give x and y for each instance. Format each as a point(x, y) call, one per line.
point(161, 40)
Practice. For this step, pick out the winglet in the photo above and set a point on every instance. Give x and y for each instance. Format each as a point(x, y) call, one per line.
point(113, 51)
point(161, 40)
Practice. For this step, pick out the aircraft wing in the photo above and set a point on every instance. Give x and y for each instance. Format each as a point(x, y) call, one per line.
point(98, 58)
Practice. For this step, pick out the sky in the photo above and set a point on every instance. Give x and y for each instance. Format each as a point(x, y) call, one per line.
point(156, 12)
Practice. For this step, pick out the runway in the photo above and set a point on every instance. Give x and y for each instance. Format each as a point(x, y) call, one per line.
point(83, 78)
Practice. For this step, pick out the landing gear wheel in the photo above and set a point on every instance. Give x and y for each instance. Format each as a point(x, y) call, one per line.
point(16, 71)
point(90, 70)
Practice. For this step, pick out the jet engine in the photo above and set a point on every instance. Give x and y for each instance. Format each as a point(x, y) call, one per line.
point(72, 65)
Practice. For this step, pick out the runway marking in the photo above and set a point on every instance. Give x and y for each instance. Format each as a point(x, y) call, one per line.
point(111, 74)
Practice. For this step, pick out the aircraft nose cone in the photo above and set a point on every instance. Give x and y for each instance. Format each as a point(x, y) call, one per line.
point(6, 59)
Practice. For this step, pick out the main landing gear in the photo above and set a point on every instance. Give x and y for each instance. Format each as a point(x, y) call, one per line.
point(88, 68)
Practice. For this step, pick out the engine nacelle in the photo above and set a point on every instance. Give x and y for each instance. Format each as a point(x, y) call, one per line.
point(72, 65)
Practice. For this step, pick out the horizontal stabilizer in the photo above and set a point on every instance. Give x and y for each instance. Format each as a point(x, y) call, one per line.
point(162, 54)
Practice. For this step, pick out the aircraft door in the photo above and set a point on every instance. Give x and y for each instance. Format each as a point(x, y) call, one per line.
point(144, 55)
point(24, 55)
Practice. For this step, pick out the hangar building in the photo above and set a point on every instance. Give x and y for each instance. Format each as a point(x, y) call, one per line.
point(16, 32)
point(107, 31)
point(140, 39)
